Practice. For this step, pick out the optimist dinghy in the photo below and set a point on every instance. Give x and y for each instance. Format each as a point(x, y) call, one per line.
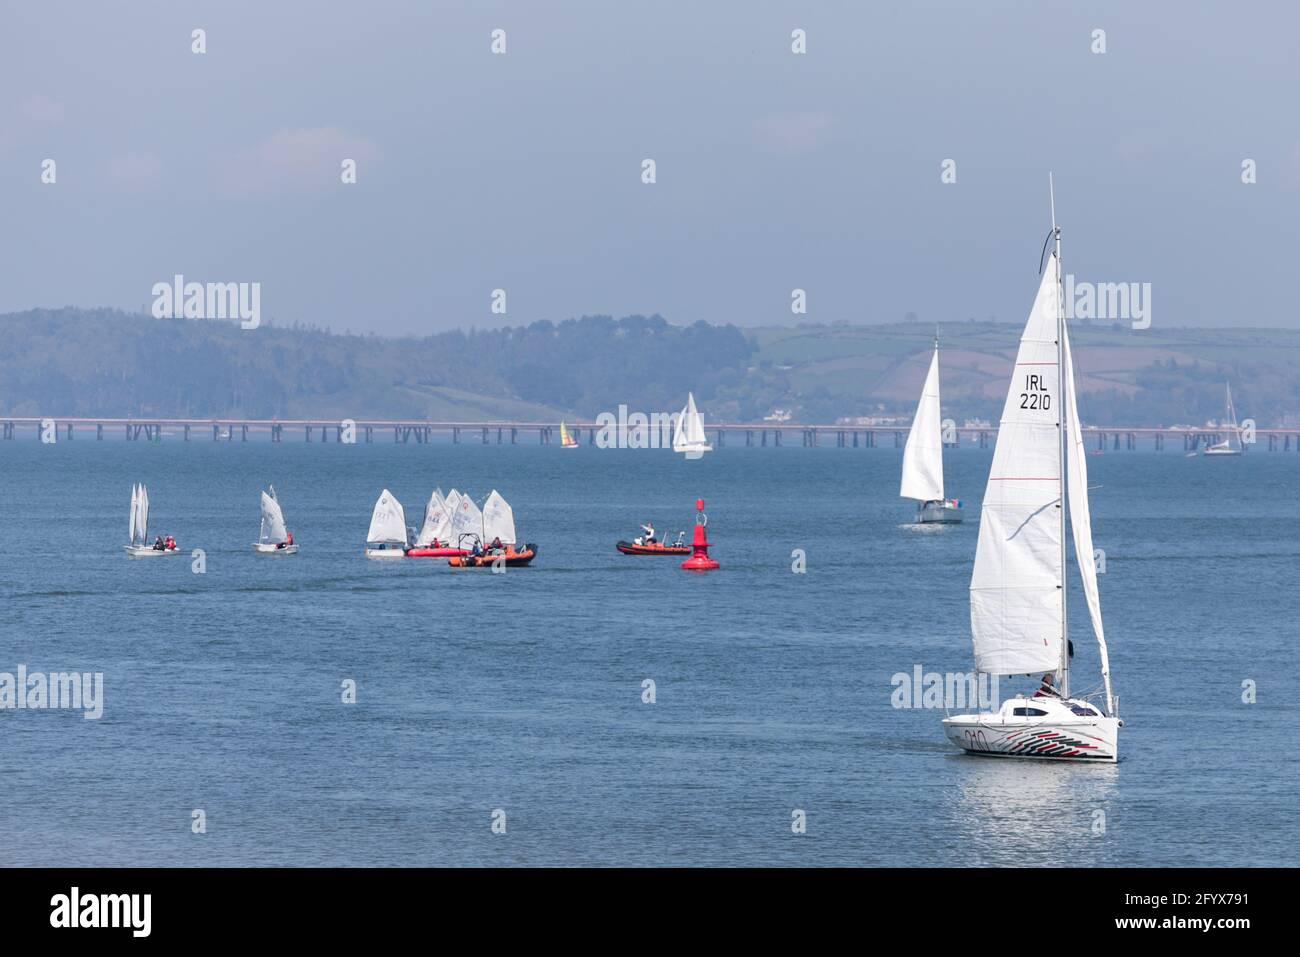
point(273, 538)
point(387, 535)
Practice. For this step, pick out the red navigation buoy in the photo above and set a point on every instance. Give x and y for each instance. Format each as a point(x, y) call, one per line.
point(700, 560)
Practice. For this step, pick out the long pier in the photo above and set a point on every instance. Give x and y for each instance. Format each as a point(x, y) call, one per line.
point(752, 434)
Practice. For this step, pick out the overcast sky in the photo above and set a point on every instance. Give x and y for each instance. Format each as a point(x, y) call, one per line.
point(775, 171)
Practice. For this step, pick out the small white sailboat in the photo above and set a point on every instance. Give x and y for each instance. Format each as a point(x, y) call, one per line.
point(688, 433)
point(1231, 444)
point(1018, 586)
point(923, 456)
point(387, 535)
point(273, 538)
point(139, 545)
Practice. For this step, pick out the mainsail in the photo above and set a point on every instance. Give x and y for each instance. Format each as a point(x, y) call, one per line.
point(388, 521)
point(434, 516)
point(142, 514)
point(466, 520)
point(273, 530)
point(498, 519)
point(923, 456)
point(135, 507)
point(1015, 590)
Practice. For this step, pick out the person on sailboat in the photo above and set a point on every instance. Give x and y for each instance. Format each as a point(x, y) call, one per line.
point(649, 529)
point(1047, 689)
point(158, 545)
point(169, 544)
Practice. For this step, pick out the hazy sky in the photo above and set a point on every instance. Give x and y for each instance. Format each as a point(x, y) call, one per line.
point(522, 171)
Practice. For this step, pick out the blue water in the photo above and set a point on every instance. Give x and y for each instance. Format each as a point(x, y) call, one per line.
point(522, 691)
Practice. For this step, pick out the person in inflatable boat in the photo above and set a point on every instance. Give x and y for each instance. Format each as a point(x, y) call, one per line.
point(649, 529)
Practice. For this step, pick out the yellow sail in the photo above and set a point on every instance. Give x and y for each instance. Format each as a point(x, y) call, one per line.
point(566, 440)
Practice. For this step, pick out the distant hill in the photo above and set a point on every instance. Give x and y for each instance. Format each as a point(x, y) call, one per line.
point(104, 362)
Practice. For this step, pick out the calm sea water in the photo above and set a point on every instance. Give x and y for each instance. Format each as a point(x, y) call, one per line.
point(522, 691)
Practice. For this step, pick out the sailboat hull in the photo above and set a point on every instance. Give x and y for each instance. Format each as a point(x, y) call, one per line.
point(941, 513)
point(1217, 450)
point(270, 548)
point(148, 551)
point(391, 551)
point(1050, 731)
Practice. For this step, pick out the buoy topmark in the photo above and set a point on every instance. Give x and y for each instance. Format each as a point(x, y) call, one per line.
point(700, 560)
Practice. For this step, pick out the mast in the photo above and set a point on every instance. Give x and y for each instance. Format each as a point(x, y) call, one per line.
point(1060, 439)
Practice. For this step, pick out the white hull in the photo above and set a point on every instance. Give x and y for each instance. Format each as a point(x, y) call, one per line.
point(1221, 450)
point(393, 551)
point(148, 551)
point(1057, 734)
point(269, 548)
point(943, 513)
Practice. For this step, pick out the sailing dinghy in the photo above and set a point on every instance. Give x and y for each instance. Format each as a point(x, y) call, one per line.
point(1231, 445)
point(140, 546)
point(688, 435)
point(387, 535)
point(273, 538)
point(923, 456)
point(1018, 586)
point(566, 440)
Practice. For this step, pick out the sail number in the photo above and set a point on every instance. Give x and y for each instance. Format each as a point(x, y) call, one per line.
point(1035, 395)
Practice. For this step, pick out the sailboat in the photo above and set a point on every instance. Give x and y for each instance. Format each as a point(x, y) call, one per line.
point(688, 435)
point(1231, 445)
point(139, 545)
point(1018, 586)
point(923, 456)
point(387, 535)
point(273, 538)
point(566, 440)
point(437, 528)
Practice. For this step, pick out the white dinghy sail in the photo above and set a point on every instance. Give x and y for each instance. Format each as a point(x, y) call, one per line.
point(435, 513)
point(498, 520)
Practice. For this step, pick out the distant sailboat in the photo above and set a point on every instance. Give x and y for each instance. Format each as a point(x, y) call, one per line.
point(387, 535)
point(139, 545)
point(688, 435)
point(273, 538)
point(923, 456)
point(1018, 586)
point(566, 440)
point(1231, 445)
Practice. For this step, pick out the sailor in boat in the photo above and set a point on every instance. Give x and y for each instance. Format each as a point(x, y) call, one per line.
point(170, 544)
point(477, 550)
point(1046, 689)
point(288, 540)
point(649, 529)
point(158, 544)
point(496, 547)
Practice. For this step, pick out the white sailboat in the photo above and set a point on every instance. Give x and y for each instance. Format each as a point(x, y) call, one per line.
point(1231, 444)
point(688, 432)
point(273, 538)
point(139, 545)
point(1018, 586)
point(923, 456)
point(387, 535)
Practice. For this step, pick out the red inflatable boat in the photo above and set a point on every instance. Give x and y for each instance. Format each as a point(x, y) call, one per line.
point(658, 548)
